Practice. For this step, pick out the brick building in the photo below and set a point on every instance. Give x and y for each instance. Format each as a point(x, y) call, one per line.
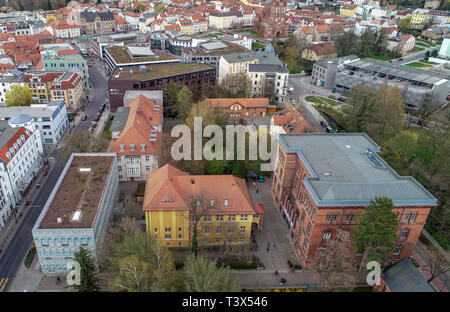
point(159, 77)
point(322, 181)
point(272, 23)
point(242, 107)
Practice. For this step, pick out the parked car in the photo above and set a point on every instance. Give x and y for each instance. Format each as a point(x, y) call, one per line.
point(291, 90)
point(260, 178)
point(400, 59)
point(341, 99)
point(97, 119)
point(329, 130)
point(332, 97)
point(323, 124)
point(99, 114)
point(84, 117)
point(351, 73)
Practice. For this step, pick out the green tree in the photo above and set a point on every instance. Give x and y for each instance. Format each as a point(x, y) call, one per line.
point(346, 43)
point(434, 53)
point(151, 255)
point(216, 167)
point(205, 111)
point(134, 275)
point(359, 106)
point(184, 101)
point(202, 275)
point(375, 235)
point(405, 25)
point(235, 86)
point(88, 277)
point(140, 7)
point(160, 9)
point(82, 142)
point(18, 96)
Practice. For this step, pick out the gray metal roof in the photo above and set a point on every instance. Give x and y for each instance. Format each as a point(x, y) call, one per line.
point(265, 68)
point(397, 70)
point(120, 119)
point(20, 119)
point(405, 277)
point(33, 111)
point(342, 175)
point(264, 57)
point(213, 45)
point(6, 133)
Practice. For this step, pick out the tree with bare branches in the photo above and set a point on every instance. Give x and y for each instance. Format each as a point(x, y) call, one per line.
point(438, 264)
point(335, 267)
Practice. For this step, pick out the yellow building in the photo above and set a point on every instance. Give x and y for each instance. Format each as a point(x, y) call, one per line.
point(419, 16)
point(187, 27)
point(222, 205)
point(348, 10)
point(319, 51)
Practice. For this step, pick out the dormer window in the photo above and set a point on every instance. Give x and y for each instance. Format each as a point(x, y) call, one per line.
point(122, 147)
point(143, 147)
point(8, 154)
point(132, 146)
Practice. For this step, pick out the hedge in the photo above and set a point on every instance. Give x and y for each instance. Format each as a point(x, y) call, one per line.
point(244, 266)
point(30, 256)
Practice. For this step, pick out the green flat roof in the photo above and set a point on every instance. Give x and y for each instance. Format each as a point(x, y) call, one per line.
point(158, 71)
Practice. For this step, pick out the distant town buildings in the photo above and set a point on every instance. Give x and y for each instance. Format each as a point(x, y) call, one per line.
point(272, 22)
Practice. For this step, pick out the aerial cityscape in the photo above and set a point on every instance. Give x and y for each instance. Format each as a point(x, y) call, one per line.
point(251, 146)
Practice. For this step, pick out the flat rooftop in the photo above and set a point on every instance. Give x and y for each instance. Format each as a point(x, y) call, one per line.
point(123, 55)
point(215, 48)
point(158, 71)
point(81, 189)
point(397, 70)
point(346, 170)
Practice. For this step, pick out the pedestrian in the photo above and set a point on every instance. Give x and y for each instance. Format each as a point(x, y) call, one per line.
point(256, 190)
point(57, 280)
point(276, 272)
point(254, 183)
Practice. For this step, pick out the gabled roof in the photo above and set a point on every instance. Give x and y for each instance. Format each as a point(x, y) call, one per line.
point(244, 102)
point(140, 128)
point(292, 121)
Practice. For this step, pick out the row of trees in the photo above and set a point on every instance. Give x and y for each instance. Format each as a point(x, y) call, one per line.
point(369, 44)
point(290, 52)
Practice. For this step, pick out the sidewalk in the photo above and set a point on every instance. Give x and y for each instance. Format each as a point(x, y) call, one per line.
point(11, 226)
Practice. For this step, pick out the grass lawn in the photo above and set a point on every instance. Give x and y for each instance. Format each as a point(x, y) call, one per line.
point(423, 44)
point(295, 71)
point(321, 100)
point(256, 45)
point(214, 35)
point(417, 49)
point(383, 58)
point(247, 30)
point(418, 65)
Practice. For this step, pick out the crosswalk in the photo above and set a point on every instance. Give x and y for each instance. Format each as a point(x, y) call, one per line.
point(3, 282)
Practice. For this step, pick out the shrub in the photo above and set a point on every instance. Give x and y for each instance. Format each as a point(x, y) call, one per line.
point(30, 256)
point(244, 266)
point(178, 265)
point(140, 190)
point(296, 266)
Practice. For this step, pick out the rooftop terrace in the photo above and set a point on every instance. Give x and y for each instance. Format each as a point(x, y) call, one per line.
point(80, 190)
point(158, 71)
point(121, 55)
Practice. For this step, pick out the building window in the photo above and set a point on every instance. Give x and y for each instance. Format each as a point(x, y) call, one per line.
point(118, 158)
point(119, 168)
point(231, 218)
point(225, 202)
point(147, 168)
point(242, 229)
point(335, 218)
point(308, 229)
point(156, 230)
point(345, 235)
point(413, 217)
point(348, 217)
point(328, 220)
point(404, 234)
point(179, 230)
point(206, 230)
point(407, 217)
point(326, 235)
point(397, 250)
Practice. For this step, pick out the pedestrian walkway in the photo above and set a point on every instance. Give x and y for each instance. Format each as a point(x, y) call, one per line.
point(3, 282)
point(436, 283)
point(262, 279)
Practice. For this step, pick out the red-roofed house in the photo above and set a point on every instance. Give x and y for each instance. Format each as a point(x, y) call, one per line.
point(402, 44)
point(242, 107)
point(319, 51)
point(136, 136)
point(227, 213)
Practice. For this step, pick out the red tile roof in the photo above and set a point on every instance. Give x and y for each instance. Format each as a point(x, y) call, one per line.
point(169, 188)
point(245, 102)
point(10, 144)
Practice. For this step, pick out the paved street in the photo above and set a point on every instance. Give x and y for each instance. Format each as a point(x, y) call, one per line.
point(415, 56)
point(12, 258)
point(302, 88)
